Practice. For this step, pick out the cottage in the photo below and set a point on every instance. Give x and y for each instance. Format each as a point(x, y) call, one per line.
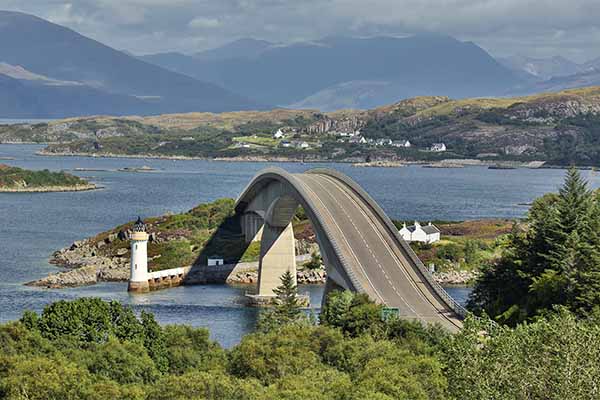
point(401, 143)
point(358, 140)
point(383, 142)
point(285, 143)
point(417, 233)
point(299, 144)
point(438, 147)
point(279, 134)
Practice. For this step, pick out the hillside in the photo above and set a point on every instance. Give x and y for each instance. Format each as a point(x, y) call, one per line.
point(61, 54)
point(559, 128)
point(296, 73)
point(13, 179)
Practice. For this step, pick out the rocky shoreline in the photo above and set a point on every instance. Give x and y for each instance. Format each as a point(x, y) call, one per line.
point(85, 266)
point(47, 189)
point(381, 163)
point(444, 163)
point(249, 158)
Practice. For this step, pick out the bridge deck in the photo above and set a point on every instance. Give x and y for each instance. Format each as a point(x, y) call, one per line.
point(373, 255)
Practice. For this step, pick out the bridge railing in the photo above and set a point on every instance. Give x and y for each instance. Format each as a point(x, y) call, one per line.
point(449, 300)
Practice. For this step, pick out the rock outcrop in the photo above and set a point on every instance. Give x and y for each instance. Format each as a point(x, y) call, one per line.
point(455, 277)
point(303, 277)
point(85, 265)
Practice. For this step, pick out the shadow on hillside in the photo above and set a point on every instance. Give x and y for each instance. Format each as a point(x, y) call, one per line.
point(227, 242)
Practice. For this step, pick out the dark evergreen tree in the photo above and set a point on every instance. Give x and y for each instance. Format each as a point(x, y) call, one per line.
point(286, 306)
point(555, 260)
point(286, 302)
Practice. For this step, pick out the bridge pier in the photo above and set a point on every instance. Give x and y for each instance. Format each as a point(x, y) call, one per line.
point(277, 256)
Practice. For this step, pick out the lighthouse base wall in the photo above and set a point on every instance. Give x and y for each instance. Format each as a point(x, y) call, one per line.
point(138, 287)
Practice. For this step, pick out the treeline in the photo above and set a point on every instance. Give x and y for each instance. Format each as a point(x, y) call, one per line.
point(552, 259)
point(90, 349)
point(14, 176)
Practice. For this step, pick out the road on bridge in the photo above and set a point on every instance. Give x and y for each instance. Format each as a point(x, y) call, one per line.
point(373, 254)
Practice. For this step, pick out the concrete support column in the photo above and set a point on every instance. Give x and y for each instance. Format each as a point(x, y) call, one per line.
point(277, 255)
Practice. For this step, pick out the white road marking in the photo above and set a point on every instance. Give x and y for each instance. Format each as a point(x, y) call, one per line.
point(308, 188)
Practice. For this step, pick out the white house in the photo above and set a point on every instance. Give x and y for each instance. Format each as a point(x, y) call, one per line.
point(214, 260)
point(417, 233)
point(279, 134)
point(299, 144)
point(401, 143)
point(358, 139)
point(438, 147)
point(383, 142)
point(285, 143)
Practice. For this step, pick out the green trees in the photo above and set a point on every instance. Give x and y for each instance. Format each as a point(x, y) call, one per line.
point(354, 314)
point(286, 307)
point(316, 261)
point(11, 177)
point(353, 355)
point(553, 358)
point(554, 261)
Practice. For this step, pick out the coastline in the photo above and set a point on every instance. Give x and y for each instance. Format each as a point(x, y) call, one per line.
point(82, 265)
point(444, 163)
point(50, 189)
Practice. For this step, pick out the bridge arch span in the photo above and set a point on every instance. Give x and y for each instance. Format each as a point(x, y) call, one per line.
point(360, 246)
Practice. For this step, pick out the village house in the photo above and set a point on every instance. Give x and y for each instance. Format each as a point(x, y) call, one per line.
point(438, 147)
point(358, 139)
point(383, 142)
point(401, 143)
point(285, 143)
point(417, 233)
point(279, 134)
point(299, 144)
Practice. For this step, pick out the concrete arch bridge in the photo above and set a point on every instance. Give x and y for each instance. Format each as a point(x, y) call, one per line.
point(360, 246)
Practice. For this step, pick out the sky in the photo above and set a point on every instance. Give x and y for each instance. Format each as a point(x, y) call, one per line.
point(536, 28)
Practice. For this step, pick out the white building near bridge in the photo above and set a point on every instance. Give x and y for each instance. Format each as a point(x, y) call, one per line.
point(417, 233)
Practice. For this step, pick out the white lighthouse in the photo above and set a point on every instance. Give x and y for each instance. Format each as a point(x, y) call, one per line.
point(138, 278)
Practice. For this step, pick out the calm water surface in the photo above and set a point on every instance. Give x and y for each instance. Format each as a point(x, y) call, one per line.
point(33, 225)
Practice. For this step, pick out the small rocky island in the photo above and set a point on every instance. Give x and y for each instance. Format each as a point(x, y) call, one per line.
point(187, 239)
point(14, 179)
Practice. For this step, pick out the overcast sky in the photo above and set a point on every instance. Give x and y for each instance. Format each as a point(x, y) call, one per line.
point(503, 27)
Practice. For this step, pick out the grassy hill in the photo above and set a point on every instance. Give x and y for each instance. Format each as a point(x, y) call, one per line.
point(560, 128)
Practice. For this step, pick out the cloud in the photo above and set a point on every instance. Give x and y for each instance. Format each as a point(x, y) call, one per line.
point(531, 27)
point(204, 23)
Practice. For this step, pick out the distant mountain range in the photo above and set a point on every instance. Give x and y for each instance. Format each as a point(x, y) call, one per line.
point(347, 72)
point(48, 71)
point(63, 73)
point(548, 68)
